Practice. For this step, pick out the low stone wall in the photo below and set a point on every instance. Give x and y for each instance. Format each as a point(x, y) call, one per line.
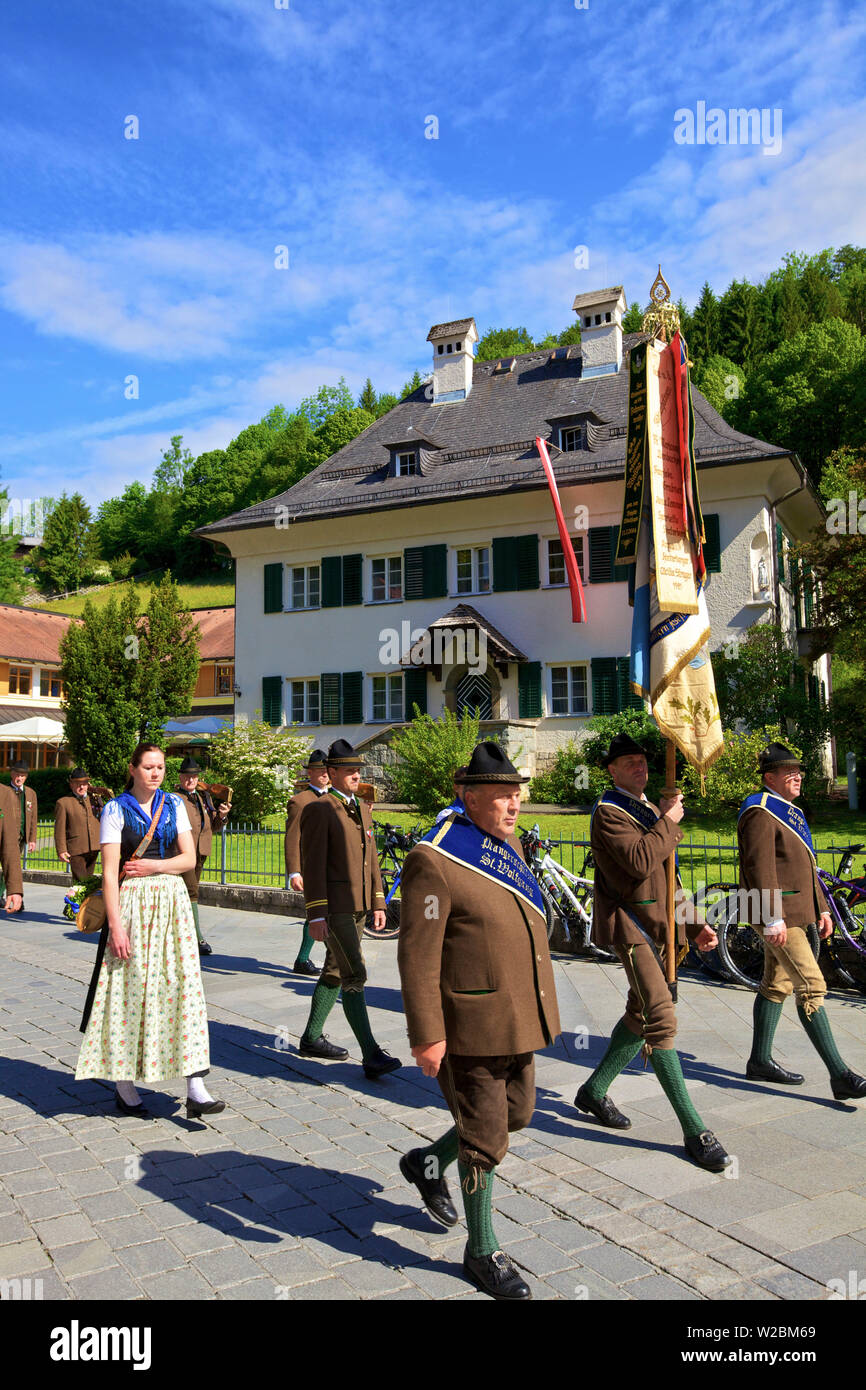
point(246, 897)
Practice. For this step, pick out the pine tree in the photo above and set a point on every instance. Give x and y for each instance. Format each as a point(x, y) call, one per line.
point(69, 545)
point(703, 340)
point(367, 398)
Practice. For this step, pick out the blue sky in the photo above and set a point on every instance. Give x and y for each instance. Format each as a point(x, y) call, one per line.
point(305, 127)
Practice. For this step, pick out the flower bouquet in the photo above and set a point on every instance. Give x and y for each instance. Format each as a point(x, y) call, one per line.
point(72, 902)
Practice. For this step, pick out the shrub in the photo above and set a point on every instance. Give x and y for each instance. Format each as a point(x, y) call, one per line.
point(260, 763)
point(430, 752)
point(578, 778)
point(735, 772)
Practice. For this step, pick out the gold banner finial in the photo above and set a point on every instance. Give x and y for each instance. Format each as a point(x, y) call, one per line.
point(662, 317)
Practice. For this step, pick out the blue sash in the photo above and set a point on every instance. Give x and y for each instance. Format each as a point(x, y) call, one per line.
point(785, 812)
point(638, 811)
point(458, 838)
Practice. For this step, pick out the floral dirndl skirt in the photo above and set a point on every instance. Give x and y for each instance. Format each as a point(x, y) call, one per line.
point(149, 1018)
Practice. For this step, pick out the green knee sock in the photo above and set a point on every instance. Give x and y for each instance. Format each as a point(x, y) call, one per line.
point(443, 1151)
point(624, 1045)
point(820, 1035)
point(667, 1067)
point(194, 907)
point(323, 1001)
point(766, 1015)
point(355, 1008)
point(306, 946)
point(477, 1188)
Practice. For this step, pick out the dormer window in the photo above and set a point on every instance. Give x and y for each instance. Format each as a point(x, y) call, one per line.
point(441, 349)
point(406, 464)
point(571, 437)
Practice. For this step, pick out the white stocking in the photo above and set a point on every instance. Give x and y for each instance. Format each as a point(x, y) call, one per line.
point(195, 1090)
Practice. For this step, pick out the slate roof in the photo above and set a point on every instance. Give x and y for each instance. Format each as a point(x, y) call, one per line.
point(450, 330)
point(34, 634)
point(487, 443)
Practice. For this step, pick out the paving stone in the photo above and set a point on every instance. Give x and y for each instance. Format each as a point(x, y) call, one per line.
point(660, 1286)
point(127, 1230)
point(33, 1180)
point(64, 1230)
point(585, 1285)
point(87, 1257)
point(615, 1264)
point(86, 1183)
point(176, 1284)
point(105, 1286)
point(830, 1259)
point(150, 1258)
point(369, 1277)
point(199, 1238)
point(791, 1285)
point(21, 1258)
point(745, 1293)
point(322, 1289)
point(224, 1267)
point(13, 1230)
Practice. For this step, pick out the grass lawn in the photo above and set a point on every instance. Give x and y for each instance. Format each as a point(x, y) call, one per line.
point(205, 593)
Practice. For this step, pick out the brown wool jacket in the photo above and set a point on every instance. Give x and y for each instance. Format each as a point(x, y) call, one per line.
point(76, 826)
point(204, 819)
point(293, 827)
point(339, 863)
point(32, 815)
point(10, 830)
point(775, 861)
point(630, 865)
point(475, 968)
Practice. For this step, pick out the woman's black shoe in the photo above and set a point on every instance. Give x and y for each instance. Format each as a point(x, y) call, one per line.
point(204, 949)
point(196, 1108)
point(125, 1109)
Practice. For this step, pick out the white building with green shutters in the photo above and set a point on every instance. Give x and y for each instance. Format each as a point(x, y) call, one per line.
point(421, 564)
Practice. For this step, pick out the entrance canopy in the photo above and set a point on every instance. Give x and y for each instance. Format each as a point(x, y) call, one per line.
point(448, 640)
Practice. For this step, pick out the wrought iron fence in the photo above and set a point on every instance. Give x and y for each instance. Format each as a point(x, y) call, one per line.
point(253, 854)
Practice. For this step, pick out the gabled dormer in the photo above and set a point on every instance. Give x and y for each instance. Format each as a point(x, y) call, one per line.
point(410, 453)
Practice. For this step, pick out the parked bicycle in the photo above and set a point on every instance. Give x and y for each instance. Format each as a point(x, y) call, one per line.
point(395, 846)
point(741, 950)
point(567, 897)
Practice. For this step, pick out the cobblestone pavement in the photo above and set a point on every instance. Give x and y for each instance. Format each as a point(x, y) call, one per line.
point(294, 1191)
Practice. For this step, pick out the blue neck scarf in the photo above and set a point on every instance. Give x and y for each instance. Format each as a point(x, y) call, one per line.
point(136, 819)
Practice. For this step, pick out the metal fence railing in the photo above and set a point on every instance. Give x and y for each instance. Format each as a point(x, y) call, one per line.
point(253, 854)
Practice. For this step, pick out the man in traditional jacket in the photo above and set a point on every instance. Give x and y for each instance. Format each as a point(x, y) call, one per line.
point(204, 818)
point(11, 882)
point(783, 898)
point(479, 997)
point(342, 886)
point(28, 808)
point(631, 839)
point(76, 826)
point(317, 785)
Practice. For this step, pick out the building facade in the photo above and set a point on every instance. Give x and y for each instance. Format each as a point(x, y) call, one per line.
point(421, 565)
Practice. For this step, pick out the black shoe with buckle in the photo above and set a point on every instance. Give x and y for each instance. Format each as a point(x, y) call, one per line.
point(434, 1191)
point(320, 1047)
point(380, 1064)
point(705, 1150)
point(848, 1086)
point(771, 1071)
point(204, 949)
point(305, 967)
point(495, 1274)
point(140, 1111)
point(603, 1110)
point(196, 1108)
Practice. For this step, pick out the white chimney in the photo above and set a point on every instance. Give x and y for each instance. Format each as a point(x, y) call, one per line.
point(452, 359)
point(599, 314)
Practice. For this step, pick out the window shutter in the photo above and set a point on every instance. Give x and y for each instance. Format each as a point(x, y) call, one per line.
point(413, 572)
point(800, 679)
point(416, 691)
point(353, 704)
point(352, 579)
point(627, 698)
point(529, 690)
point(273, 588)
point(272, 700)
point(435, 571)
point(504, 564)
point(604, 684)
point(621, 573)
point(332, 581)
point(808, 596)
point(780, 551)
point(600, 555)
point(527, 562)
point(330, 689)
point(713, 544)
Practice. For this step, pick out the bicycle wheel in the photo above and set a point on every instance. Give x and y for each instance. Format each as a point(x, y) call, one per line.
point(741, 949)
point(392, 915)
point(848, 951)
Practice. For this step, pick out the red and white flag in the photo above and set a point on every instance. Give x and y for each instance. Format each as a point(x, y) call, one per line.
point(578, 602)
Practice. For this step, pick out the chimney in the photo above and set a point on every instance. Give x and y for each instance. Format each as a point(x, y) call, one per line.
point(599, 314)
point(452, 359)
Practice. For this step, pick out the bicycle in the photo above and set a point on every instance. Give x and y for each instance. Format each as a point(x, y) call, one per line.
point(741, 948)
point(567, 897)
point(396, 842)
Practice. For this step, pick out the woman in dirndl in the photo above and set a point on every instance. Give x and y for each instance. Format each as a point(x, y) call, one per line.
point(148, 1019)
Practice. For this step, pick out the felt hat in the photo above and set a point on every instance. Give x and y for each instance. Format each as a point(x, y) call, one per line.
point(316, 758)
point(489, 763)
point(78, 774)
point(342, 754)
point(621, 745)
point(775, 757)
point(189, 765)
point(19, 765)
